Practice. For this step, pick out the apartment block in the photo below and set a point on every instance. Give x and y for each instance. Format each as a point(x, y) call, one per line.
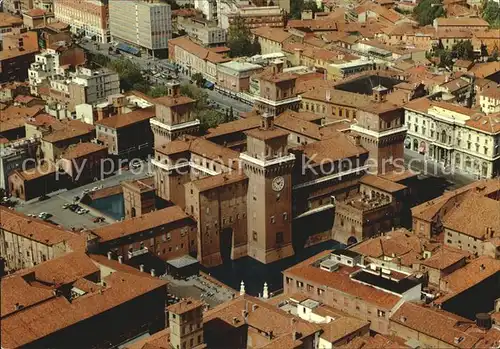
point(26, 241)
point(85, 295)
point(146, 25)
point(18, 52)
point(202, 32)
point(86, 17)
point(454, 136)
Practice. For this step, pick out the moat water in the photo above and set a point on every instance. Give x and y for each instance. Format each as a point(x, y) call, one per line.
point(254, 273)
point(112, 206)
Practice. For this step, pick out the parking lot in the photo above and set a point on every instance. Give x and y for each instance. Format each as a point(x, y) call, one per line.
point(69, 219)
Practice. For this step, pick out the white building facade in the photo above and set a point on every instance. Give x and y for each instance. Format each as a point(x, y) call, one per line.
point(87, 17)
point(455, 137)
point(145, 25)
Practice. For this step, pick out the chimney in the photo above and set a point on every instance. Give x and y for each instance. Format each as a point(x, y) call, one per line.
point(141, 268)
point(244, 315)
point(242, 288)
point(153, 272)
point(120, 259)
point(109, 255)
point(328, 95)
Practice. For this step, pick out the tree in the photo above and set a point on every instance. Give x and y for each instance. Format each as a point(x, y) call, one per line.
point(130, 74)
point(297, 6)
point(197, 94)
point(239, 39)
point(491, 13)
point(484, 50)
point(464, 50)
point(445, 59)
point(209, 118)
point(428, 10)
point(157, 91)
point(198, 79)
point(229, 115)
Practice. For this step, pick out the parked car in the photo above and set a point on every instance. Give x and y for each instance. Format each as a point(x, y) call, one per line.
point(65, 206)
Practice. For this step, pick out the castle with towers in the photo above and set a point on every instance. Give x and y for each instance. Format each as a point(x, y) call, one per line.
point(248, 184)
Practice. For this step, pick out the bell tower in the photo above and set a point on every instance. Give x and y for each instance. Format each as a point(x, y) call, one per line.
point(268, 166)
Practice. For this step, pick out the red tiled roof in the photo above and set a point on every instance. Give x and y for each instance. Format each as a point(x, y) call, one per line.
point(142, 223)
point(436, 324)
point(32, 228)
point(341, 281)
point(54, 313)
point(124, 120)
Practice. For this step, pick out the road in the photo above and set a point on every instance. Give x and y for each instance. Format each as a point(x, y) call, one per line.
point(156, 64)
point(429, 168)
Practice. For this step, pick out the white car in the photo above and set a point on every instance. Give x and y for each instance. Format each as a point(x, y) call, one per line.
point(95, 188)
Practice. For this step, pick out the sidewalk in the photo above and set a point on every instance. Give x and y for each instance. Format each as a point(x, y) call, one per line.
point(426, 167)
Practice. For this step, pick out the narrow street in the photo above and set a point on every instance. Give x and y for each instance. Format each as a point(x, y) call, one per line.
point(429, 168)
point(148, 63)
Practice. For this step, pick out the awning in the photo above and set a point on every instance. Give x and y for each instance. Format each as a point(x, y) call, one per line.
point(126, 48)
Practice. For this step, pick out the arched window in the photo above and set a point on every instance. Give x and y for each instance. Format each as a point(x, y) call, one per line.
point(484, 169)
point(476, 166)
point(133, 212)
point(468, 163)
point(457, 160)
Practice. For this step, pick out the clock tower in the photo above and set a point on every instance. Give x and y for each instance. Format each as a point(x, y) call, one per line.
point(268, 166)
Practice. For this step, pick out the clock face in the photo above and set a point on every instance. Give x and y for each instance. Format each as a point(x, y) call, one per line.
point(278, 183)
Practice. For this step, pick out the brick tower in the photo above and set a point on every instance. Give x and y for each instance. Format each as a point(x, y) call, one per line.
point(268, 166)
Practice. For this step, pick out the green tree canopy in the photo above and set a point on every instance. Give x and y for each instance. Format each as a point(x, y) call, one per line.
point(157, 91)
point(239, 39)
point(445, 59)
point(208, 117)
point(464, 50)
point(297, 6)
point(198, 79)
point(491, 13)
point(130, 74)
point(428, 10)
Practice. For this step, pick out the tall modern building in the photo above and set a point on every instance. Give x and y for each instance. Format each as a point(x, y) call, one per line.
point(146, 25)
point(87, 17)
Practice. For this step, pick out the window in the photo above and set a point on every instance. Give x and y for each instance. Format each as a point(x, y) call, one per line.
point(310, 288)
point(300, 284)
point(169, 236)
point(320, 291)
point(285, 216)
point(279, 238)
point(272, 220)
point(254, 236)
point(380, 313)
point(199, 339)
